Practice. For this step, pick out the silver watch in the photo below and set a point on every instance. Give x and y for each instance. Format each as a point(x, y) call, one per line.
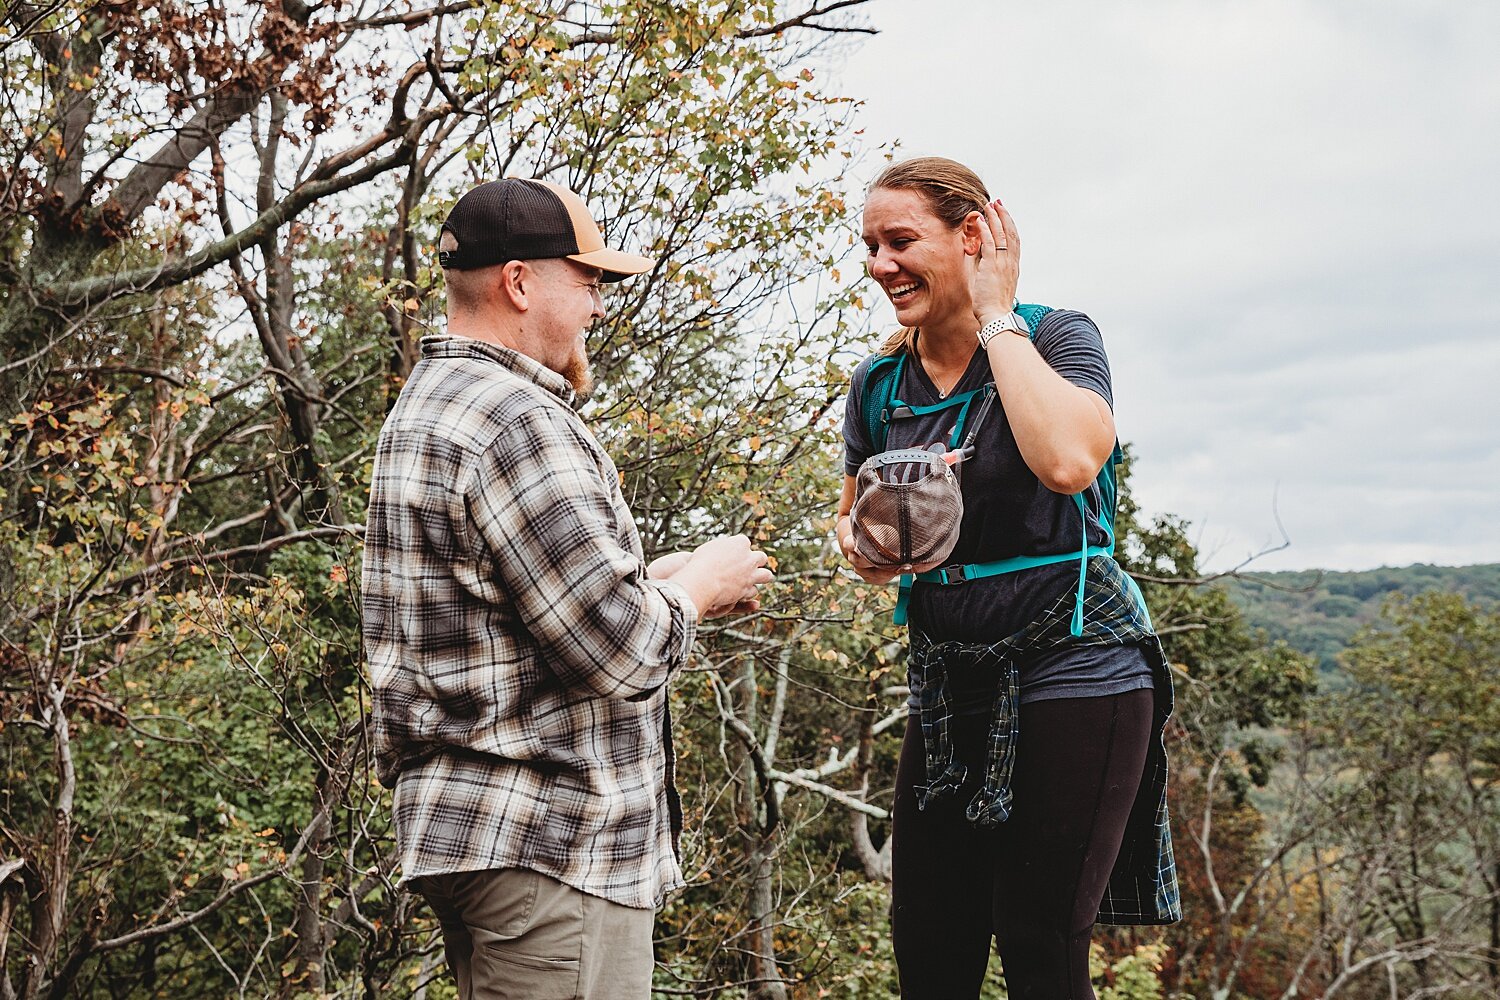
point(1011, 322)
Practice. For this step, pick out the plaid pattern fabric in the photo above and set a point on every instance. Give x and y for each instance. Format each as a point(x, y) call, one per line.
point(518, 654)
point(1143, 886)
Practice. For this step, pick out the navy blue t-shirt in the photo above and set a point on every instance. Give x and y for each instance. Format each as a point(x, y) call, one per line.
point(1007, 512)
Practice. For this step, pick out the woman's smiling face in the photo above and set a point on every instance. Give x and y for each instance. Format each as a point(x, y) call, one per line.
point(917, 259)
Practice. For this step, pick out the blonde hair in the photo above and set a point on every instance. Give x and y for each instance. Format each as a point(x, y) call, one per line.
point(951, 191)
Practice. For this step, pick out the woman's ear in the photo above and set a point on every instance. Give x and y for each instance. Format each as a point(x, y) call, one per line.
point(972, 233)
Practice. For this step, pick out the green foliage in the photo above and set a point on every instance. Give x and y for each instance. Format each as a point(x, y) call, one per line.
point(186, 451)
point(1425, 682)
point(1319, 611)
point(1417, 790)
point(1130, 977)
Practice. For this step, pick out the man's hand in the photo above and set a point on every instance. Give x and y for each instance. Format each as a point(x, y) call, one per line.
point(721, 576)
point(664, 567)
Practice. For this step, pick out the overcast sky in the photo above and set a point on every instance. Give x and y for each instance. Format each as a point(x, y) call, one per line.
point(1285, 217)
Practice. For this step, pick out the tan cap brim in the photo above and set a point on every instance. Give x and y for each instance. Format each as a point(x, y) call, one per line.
point(616, 265)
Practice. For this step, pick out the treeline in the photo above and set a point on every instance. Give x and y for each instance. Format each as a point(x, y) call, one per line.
point(215, 269)
point(1319, 611)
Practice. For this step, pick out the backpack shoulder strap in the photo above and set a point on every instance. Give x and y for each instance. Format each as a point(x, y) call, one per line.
point(881, 379)
point(1032, 314)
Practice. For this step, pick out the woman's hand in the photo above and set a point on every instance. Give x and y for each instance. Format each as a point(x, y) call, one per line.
point(843, 530)
point(868, 571)
point(992, 288)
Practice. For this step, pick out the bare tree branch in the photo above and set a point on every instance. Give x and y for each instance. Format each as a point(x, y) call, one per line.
point(91, 291)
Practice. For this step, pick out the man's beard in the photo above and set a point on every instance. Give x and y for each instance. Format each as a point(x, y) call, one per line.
point(580, 375)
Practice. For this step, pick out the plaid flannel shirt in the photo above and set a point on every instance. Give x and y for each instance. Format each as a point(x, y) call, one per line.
point(1143, 885)
point(518, 654)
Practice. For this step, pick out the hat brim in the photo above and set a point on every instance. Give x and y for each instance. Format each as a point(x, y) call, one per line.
point(615, 264)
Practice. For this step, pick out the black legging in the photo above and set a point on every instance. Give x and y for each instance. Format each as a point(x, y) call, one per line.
point(1033, 885)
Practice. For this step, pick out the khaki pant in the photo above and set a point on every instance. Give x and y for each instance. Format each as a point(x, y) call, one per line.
point(514, 933)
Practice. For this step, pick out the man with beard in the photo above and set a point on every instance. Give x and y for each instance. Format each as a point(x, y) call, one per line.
point(519, 647)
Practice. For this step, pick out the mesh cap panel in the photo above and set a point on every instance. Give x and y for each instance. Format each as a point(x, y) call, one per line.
point(907, 508)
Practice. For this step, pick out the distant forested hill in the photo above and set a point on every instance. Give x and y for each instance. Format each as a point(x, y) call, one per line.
point(1318, 611)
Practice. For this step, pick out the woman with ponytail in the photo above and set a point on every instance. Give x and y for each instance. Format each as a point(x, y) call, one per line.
point(1030, 800)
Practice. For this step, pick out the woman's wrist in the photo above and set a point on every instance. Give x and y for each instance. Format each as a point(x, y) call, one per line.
point(1003, 328)
point(990, 315)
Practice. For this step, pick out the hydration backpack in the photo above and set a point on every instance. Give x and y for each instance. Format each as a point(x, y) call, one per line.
point(881, 406)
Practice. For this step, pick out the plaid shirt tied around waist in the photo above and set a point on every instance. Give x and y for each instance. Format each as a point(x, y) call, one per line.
point(1143, 886)
point(518, 654)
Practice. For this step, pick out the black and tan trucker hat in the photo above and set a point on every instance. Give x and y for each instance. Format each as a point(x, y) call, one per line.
point(523, 219)
point(908, 508)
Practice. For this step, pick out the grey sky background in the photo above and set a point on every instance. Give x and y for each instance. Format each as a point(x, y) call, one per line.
point(1285, 217)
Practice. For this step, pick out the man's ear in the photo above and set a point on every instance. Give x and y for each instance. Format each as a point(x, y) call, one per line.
point(517, 283)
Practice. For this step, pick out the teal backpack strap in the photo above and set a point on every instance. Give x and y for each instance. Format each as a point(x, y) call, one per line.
point(1106, 480)
point(964, 401)
point(903, 598)
point(881, 380)
point(1032, 314)
point(884, 375)
point(1109, 490)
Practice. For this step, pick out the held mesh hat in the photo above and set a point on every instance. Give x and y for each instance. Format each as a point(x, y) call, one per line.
point(907, 508)
point(520, 219)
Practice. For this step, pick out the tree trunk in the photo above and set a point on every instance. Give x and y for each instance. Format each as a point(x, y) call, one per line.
point(876, 862)
point(768, 983)
point(1494, 958)
point(49, 910)
point(312, 940)
point(759, 834)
